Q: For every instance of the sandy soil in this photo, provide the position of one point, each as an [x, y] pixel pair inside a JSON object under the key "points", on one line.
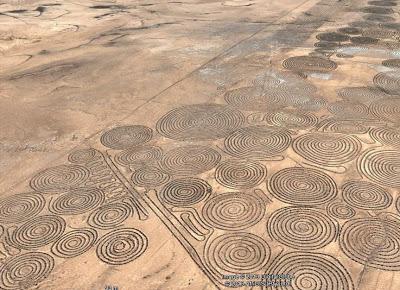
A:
{"points": [[176, 144]]}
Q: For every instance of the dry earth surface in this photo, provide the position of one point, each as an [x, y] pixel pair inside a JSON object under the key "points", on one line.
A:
{"points": [[168, 145]]}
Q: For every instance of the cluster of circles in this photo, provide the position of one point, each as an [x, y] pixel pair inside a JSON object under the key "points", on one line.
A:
{"points": [[302, 186], [124, 137], [382, 3], [364, 95], [263, 99], [236, 253], [77, 201], [271, 78], [340, 210], [20, 207], [254, 98], [386, 135], [366, 195], [381, 166], [346, 109], [183, 192], [309, 64], [121, 246], [398, 204], [257, 142], [386, 109], [292, 119], [378, 10], [388, 81], [37, 232], [372, 241], [333, 125], [200, 122], [189, 160], [332, 37], [301, 228], [25, 270], [84, 156], [311, 271], [60, 178], [392, 63], [149, 177], [74, 243], [139, 156], [234, 210], [110, 215], [239, 174], [327, 149], [379, 32]]}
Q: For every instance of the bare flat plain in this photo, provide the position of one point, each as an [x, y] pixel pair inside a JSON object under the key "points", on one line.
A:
{"points": [[200, 144]]}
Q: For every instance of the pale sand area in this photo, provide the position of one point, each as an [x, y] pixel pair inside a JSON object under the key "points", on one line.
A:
{"points": [[149, 145]]}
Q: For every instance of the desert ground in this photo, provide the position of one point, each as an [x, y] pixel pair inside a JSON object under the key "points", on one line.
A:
{"points": [[200, 144]]}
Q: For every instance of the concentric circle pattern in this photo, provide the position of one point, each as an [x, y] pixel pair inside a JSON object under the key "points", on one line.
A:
{"points": [[350, 110], [20, 207], [377, 10], [255, 98], [149, 177], [60, 178], [240, 174], [302, 186], [38, 232], [334, 125], [373, 242], [190, 160], [364, 40], [292, 119], [74, 243], [237, 253], [309, 63], [366, 195], [124, 137], [234, 211], [327, 149], [184, 192], [388, 136], [388, 81], [200, 122], [386, 109], [121, 246], [350, 30], [364, 95], [332, 36], [311, 271], [381, 33], [257, 142], [84, 156], [301, 228], [289, 97], [326, 44], [284, 80], [313, 104], [139, 156], [110, 215], [340, 210], [381, 166], [25, 271], [392, 63], [382, 3], [77, 201], [379, 18], [398, 204]]}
